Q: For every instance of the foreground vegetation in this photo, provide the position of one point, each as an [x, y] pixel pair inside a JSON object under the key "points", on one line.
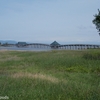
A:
{"points": [[52, 75]]}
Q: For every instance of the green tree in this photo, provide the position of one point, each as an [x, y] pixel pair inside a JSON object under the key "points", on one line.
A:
{"points": [[96, 21]]}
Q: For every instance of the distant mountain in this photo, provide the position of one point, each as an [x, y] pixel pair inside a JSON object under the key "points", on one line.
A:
{"points": [[8, 41]]}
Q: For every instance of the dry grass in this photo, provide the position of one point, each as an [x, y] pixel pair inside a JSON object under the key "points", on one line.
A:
{"points": [[36, 76], [5, 56], [3, 50], [9, 58]]}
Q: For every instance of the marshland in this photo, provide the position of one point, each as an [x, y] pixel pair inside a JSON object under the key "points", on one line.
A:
{"points": [[50, 75]]}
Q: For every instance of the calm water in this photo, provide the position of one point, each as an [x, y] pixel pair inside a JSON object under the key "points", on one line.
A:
{"points": [[25, 48]]}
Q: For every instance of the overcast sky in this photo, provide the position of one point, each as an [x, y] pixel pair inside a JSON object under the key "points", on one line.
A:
{"points": [[44, 21]]}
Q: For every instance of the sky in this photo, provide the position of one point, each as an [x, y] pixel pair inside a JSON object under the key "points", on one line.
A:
{"points": [[45, 21]]}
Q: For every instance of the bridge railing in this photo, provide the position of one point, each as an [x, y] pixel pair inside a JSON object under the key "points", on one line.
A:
{"points": [[67, 46]]}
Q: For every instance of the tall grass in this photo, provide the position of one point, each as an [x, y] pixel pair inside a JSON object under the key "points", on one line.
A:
{"points": [[92, 55], [52, 75]]}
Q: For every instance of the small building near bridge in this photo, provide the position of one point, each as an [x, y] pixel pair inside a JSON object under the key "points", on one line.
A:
{"points": [[21, 44], [54, 45]]}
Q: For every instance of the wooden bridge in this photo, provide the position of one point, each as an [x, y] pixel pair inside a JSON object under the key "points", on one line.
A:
{"points": [[38, 45], [49, 46], [78, 46], [66, 46], [56, 45]]}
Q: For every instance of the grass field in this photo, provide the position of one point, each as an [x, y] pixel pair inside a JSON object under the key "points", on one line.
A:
{"points": [[52, 75]]}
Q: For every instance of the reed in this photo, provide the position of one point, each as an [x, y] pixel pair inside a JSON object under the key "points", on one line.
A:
{"points": [[52, 75]]}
